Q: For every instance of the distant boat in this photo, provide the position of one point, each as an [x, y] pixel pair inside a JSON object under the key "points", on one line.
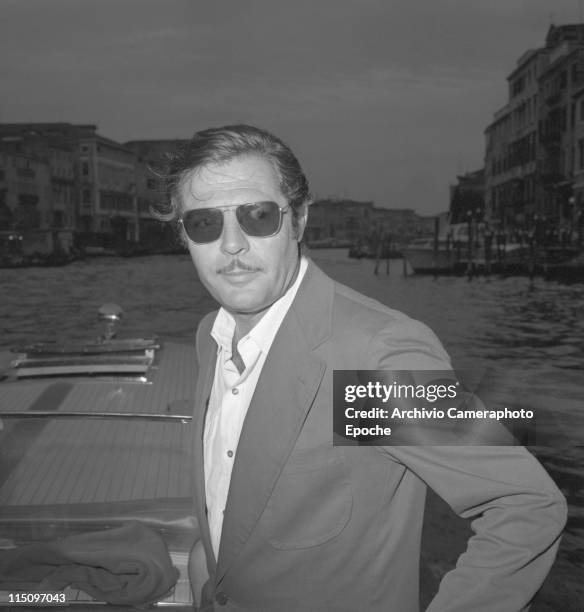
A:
{"points": [[437, 254], [329, 243], [450, 251]]}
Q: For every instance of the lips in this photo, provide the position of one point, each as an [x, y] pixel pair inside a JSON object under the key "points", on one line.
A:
{"points": [[238, 273]]}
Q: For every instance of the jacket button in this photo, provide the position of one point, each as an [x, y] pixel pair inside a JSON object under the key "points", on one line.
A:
{"points": [[221, 598]]}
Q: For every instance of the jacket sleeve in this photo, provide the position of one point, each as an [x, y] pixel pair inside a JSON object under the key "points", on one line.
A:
{"points": [[517, 512], [517, 517]]}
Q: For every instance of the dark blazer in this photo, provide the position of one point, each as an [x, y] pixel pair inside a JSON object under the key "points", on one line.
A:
{"points": [[312, 526]]}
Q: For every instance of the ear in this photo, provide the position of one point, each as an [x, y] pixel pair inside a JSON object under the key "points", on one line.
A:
{"points": [[302, 220]]}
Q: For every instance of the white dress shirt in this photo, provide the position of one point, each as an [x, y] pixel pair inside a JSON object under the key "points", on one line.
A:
{"points": [[230, 398]]}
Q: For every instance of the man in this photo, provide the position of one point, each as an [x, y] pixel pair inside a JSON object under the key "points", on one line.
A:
{"points": [[288, 520]]}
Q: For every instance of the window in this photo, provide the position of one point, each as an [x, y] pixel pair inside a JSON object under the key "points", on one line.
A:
{"points": [[85, 169], [25, 172], [518, 86], [151, 183], [86, 196], [58, 218]]}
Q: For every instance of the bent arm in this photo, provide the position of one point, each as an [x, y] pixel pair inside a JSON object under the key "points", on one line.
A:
{"points": [[517, 511], [518, 515]]}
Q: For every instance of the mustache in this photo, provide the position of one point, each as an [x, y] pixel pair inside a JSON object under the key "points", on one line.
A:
{"points": [[237, 265]]}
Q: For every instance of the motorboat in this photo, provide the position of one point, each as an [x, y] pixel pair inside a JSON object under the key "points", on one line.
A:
{"points": [[455, 249], [94, 437], [440, 253]]}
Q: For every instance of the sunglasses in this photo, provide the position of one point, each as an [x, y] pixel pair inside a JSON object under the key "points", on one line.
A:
{"points": [[257, 219]]}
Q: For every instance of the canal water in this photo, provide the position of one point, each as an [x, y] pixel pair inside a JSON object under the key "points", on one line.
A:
{"points": [[530, 334]]}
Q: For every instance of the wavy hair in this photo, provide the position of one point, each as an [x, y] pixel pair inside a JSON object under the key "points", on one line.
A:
{"points": [[222, 144]]}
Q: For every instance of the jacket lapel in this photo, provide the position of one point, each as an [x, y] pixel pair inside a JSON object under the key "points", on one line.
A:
{"points": [[207, 354], [286, 388]]}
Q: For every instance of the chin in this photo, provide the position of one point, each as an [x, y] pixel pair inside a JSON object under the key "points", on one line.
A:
{"points": [[244, 307], [243, 299]]}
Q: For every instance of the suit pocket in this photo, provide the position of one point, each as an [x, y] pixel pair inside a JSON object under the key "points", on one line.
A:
{"points": [[311, 503]]}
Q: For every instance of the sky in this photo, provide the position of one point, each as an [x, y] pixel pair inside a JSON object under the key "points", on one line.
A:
{"points": [[381, 100]]}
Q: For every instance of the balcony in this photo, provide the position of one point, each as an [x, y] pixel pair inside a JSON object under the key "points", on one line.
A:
{"points": [[551, 137], [554, 98], [25, 172], [551, 179]]}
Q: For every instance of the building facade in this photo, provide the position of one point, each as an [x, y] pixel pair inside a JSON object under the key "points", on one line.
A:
{"points": [[559, 83], [25, 191], [534, 157], [512, 182], [93, 183], [467, 197], [362, 223], [151, 159], [338, 221], [577, 198], [108, 203]]}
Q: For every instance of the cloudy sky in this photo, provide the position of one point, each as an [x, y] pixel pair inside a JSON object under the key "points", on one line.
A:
{"points": [[382, 100]]}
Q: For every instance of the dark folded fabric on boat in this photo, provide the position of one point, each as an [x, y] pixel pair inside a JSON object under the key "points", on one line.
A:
{"points": [[127, 565]]}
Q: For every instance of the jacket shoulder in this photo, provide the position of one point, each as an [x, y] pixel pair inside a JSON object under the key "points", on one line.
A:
{"points": [[394, 339], [204, 330]]}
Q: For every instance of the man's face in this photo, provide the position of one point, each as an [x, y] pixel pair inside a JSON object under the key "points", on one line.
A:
{"points": [[245, 274]]}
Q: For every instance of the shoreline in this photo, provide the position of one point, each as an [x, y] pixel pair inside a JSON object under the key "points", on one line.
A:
{"points": [[568, 272]]}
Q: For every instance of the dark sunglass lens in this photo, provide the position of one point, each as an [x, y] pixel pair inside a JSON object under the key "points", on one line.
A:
{"points": [[203, 225], [259, 219]]}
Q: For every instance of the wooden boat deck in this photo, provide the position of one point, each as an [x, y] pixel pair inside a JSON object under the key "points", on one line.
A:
{"points": [[63, 475]]}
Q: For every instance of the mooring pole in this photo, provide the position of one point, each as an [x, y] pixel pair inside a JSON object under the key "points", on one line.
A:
{"points": [[436, 233]]}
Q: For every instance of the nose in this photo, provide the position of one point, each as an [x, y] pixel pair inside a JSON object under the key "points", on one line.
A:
{"points": [[233, 238]]}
